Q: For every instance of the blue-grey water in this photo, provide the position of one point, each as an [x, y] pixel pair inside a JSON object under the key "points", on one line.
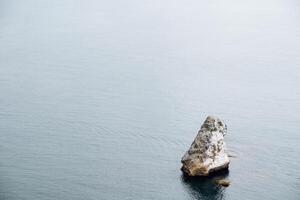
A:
{"points": [[100, 99]]}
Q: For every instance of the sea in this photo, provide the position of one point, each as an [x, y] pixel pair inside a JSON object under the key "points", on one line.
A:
{"points": [[99, 100]]}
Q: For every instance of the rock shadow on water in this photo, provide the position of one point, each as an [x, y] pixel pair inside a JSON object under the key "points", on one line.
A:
{"points": [[205, 188]]}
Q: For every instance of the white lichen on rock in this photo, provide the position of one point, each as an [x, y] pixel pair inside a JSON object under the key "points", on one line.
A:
{"points": [[208, 152]]}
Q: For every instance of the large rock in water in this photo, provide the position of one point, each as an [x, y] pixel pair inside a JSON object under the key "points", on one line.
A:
{"points": [[208, 152]]}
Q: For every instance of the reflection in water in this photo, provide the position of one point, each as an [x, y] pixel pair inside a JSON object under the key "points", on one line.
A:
{"points": [[201, 188]]}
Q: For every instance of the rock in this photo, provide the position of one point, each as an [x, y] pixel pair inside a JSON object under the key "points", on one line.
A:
{"points": [[223, 182], [208, 152]]}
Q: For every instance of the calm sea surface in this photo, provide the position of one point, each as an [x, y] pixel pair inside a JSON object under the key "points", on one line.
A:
{"points": [[100, 99]]}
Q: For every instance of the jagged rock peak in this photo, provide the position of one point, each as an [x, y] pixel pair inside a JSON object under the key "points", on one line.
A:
{"points": [[208, 152]]}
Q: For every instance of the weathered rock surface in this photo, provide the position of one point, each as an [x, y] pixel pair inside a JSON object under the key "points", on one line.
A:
{"points": [[208, 152], [223, 182]]}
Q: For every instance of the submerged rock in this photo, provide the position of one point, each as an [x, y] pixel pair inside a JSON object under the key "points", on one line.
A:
{"points": [[208, 152], [223, 182]]}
